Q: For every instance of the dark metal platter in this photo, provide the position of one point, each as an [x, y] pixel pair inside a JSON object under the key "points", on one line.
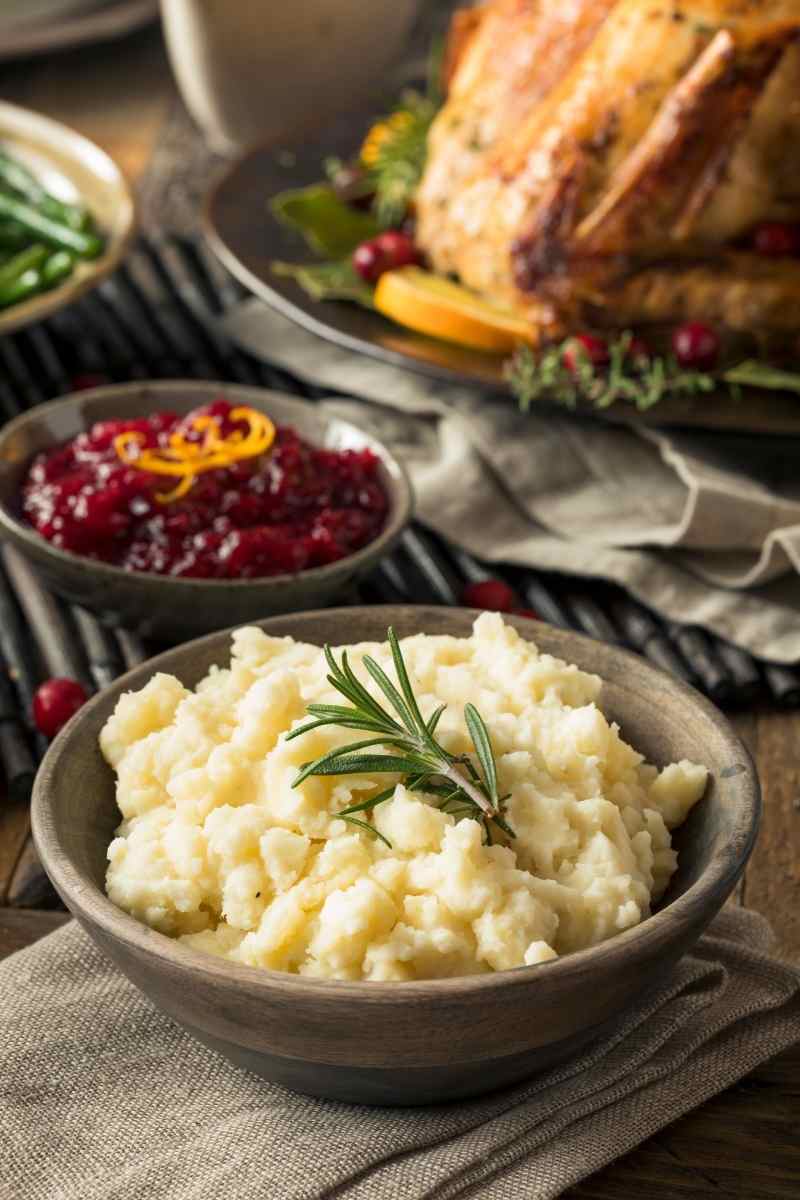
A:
{"points": [[246, 237]]}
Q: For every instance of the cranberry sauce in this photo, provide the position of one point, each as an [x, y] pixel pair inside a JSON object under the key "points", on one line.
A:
{"points": [[294, 507]]}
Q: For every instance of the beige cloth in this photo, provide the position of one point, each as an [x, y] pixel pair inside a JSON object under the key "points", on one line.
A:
{"points": [[703, 528], [102, 1098]]}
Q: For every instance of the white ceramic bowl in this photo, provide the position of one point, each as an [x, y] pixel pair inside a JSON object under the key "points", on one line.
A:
{"points": [[251, 72]]}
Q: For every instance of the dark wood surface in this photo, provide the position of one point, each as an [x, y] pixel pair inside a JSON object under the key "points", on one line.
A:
{"points": [[742, 1144]]}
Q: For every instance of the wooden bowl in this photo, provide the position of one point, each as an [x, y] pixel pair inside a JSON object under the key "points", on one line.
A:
{"points": [[160, 606], [409, 1043]]}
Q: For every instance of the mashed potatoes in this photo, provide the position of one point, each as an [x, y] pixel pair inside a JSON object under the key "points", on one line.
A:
{"points": [[217, 848]]}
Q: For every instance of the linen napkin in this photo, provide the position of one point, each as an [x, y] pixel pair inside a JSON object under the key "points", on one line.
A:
{"points": [[702, 527], [102, 1098]]}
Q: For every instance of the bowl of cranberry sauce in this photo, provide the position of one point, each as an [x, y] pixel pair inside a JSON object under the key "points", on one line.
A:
{"points": [[182, 507]]}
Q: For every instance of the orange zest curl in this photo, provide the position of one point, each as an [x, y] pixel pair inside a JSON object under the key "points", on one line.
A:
{"points": [[186, 459]]}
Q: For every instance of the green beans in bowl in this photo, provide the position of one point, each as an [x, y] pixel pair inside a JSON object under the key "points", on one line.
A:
{"points": [[66, 216]]}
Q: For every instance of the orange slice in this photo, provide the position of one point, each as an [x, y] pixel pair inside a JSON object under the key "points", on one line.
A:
{"points": [[432, 305]]}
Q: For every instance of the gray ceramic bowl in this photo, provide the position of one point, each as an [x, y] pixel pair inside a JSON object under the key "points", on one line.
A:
{"points": [[419, 1042], [159, 606]]}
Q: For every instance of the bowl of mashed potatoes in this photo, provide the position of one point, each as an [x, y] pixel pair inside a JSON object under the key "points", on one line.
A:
{"points": [[413, 955]]}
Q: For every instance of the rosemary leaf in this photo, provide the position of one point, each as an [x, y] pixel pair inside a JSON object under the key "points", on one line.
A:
{"points": [[483, 748], [319, 765], [344, 723], [434, 719], [413, 753], [363, 764], [364, 825], [408, 695], [368, 805], [384, 682]]}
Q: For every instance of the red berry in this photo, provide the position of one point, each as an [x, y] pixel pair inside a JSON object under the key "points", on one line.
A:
{"points": [[776, 239], [530, 613], [54, 702], [385, 252], [696, 346], [585, 347], [490, 594]]}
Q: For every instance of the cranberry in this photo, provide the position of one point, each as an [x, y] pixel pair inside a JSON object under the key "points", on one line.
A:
{"points": [[583, 348], [296, 507], [54, 702], [696, 346], [491, 594], [530, 613], [385, 252], [776, 239]]}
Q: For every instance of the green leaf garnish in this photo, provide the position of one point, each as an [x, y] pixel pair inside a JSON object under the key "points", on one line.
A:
{"points": [[329, 226], [422, 763], [752, 373], [366, 826], [328, 281], [483, 748]]}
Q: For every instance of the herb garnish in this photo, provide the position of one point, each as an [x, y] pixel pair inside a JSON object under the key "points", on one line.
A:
{"points": [[395, 149], [638, 379], [394, 154], [425, 765], [329, 281], [329, 226]]}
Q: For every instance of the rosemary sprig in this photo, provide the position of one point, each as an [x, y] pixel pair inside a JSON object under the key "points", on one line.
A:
{"points": [[411, 749], [394, 153], [396, 147], [639, 379]]}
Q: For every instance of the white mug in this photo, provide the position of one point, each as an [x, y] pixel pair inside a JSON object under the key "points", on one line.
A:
{"points": [[253, 70]]}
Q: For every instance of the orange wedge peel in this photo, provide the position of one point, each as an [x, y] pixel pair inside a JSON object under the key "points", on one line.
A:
{"points": [[185, 459], [435, 306]]}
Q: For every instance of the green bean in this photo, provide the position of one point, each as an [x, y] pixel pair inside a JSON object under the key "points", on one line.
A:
{"points": [[57, 268], [17, 177], [22, 288], [13, 236], [30, 259], [62, 237]]}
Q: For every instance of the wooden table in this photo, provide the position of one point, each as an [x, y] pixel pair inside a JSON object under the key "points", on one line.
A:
{"points": [[742, 1144]]}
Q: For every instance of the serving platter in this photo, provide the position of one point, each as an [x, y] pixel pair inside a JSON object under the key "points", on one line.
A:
{"points": [[71, 168], [245, 236]]}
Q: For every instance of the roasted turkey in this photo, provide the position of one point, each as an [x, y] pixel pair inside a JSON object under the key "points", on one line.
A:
{"points": [[606, 161]]}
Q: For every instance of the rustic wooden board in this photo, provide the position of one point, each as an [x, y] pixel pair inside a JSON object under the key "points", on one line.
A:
{"points": [[22, 927], [772, 882], [15, 826]]}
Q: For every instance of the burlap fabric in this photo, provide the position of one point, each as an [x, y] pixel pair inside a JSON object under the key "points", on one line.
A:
{"points": [[102, 1098]]}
